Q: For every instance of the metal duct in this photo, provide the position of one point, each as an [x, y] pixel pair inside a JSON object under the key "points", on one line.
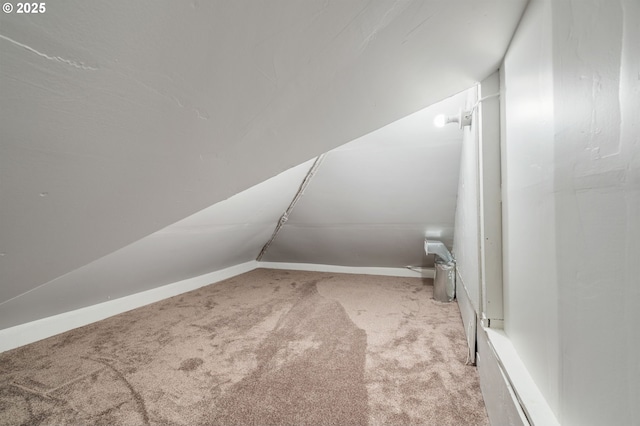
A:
{"points": [[444, 284], [439, 249]]}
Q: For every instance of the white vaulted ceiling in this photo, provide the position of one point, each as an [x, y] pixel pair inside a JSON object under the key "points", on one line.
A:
{"points": [[121, 118]]}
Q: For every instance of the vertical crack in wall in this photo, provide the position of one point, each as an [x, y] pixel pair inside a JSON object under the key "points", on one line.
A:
{"points": [[285, 216]]}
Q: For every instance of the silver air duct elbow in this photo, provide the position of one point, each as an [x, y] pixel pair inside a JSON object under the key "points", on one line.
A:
{"points": [[439, 249]]}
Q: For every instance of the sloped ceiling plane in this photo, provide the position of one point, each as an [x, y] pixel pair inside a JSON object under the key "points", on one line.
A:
{"points": [[121, 120]]}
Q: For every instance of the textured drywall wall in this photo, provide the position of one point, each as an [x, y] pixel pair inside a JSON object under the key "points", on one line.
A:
{"points": [[466, 244], [529, 226], [373, 201], [572, 202], [120, 118], [228, 233], [477, 223], [597, 195], [490, 192]]}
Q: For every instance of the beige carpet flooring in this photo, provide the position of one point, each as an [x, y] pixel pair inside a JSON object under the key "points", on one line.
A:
{"points": [[263, 348]]}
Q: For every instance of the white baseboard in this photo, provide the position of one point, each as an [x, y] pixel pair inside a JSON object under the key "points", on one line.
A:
{"points": [[391, 272], [529, 397], [503, 407], [30, 332], [469, 317], [23, 334]]}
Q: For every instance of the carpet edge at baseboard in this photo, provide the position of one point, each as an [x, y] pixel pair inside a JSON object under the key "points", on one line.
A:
{"points": [[364, 270], [23, 334]]}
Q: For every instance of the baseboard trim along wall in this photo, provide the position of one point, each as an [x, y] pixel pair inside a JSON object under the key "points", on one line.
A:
{"points": [[24, 334], [421, 272], [526, 392], [469, 317], [503, 407]]}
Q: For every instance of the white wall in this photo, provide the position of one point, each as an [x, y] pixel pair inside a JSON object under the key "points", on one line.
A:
{"points": [[121, 118], [370, 203], [490, 200], [226, 234], [373, 200], [466, 244], [477, 228], [571, 206], [597, 190], [530, 282]]}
